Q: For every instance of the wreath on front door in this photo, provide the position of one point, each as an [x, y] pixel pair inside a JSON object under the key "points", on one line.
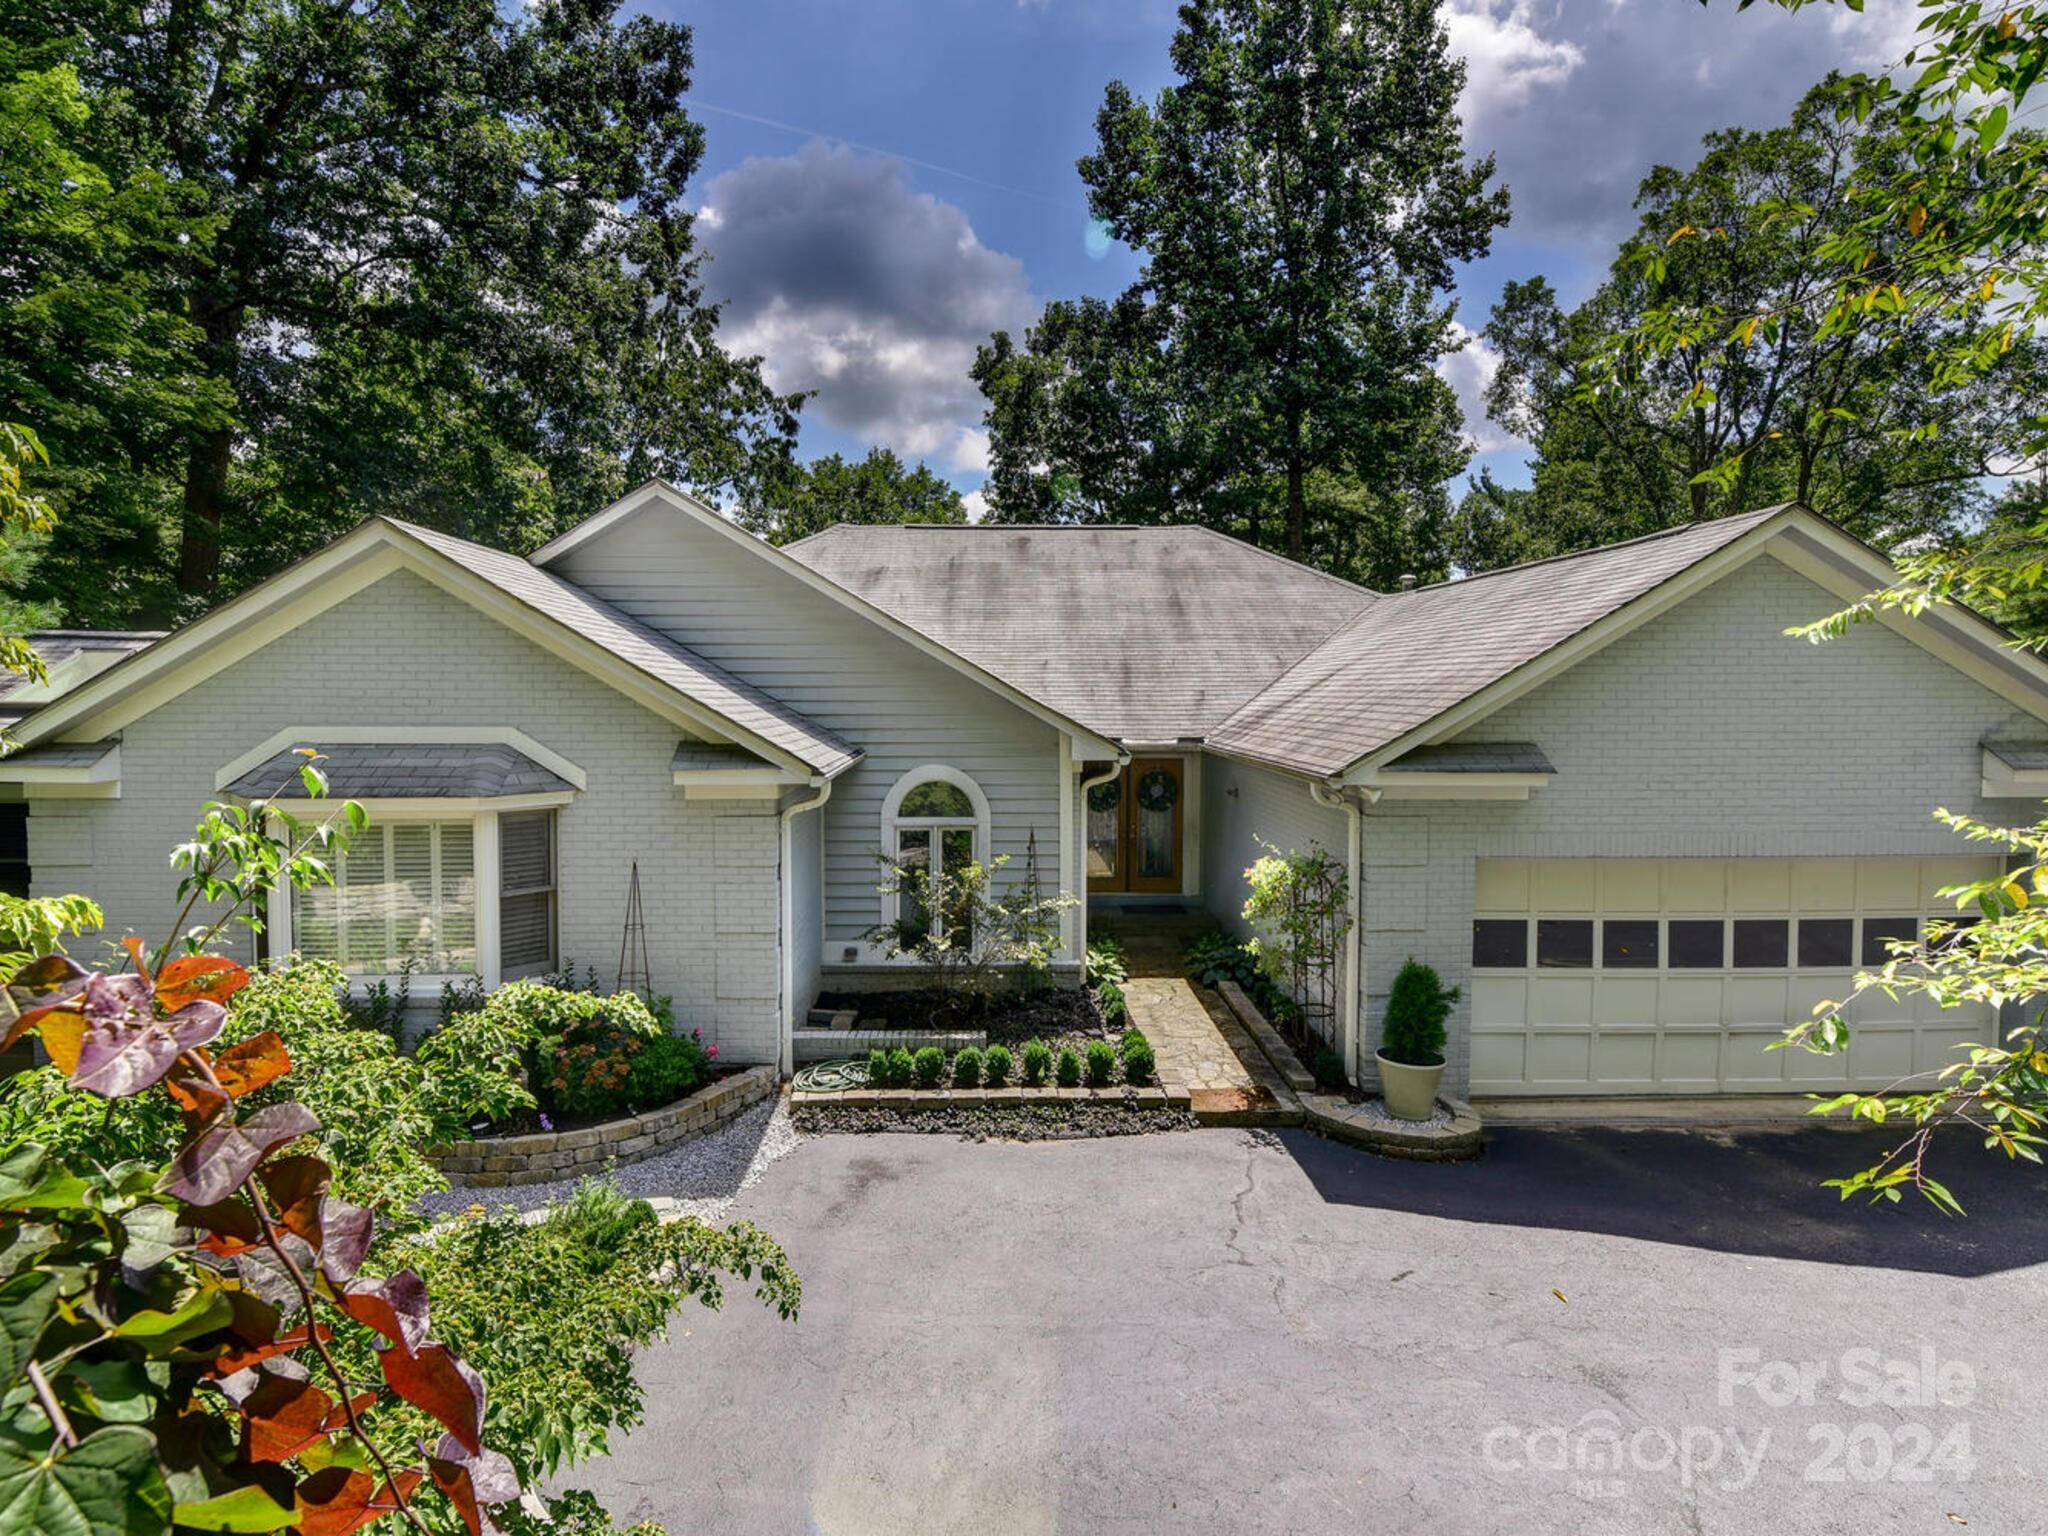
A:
{"points": [[1102, 798], [1158, 790]]}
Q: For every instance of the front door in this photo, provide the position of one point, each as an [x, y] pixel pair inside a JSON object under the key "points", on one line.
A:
{"points": [[1134, 828]]}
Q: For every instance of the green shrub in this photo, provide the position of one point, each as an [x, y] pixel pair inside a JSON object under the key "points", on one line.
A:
{"points": [[930, 1063], [1215, 957], [581, 1048], [1106, 963], [967, 1069], [1329, 1069], [878, 1068], [1037, 1063], [1412, 1032], [1101, 1063], [1131, 1037], [1114, 1009], [1068, 1068], [998, 1065], [668, 1067], [1138, 1061], [902, 1068]]}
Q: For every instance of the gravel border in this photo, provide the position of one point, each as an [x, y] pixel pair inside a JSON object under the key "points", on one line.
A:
{"points": [[1018, 1122], [701, 1177]]}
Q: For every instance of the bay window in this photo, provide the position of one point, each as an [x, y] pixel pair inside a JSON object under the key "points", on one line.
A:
{"points": [[405, 891]]}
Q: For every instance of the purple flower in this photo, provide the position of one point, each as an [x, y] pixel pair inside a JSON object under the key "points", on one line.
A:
{"points": [[545, 1123]]}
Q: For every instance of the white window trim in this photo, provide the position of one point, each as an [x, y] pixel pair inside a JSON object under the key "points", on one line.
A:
{"points": [[893, 821], [484, 851]]}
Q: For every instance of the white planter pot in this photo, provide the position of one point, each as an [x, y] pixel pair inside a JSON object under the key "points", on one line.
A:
{"points": [[1410, 1092]]}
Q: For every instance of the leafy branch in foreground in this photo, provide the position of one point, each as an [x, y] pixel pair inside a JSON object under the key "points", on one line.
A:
{"points": [[1997, 960]]}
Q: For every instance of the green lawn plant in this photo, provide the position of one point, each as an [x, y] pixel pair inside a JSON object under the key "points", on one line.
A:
{"points": [[1101, 1063], [1067, 1068], [1418, 1003], [997, 1066], [1037, 1063], [967, 1068]]}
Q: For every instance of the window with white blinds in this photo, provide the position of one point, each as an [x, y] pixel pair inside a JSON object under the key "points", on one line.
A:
{"points": [[404, 890], [526, 892]]}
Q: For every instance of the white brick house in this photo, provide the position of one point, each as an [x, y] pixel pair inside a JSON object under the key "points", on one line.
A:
{"points": [[1604, 795]]}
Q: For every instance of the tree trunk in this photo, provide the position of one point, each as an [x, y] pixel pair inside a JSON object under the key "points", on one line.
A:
{"points": [[206, 487], [206, 471], [1297, 494]]}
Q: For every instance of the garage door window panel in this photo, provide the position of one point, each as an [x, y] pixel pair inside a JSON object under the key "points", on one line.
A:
{"points": [[1762, 943], [1827, 943], [1500, 943], [1564, 943], [1698, 944], [1628, 944], [1880, 933]]}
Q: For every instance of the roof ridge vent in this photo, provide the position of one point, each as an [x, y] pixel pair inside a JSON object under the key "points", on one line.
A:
{"points": [[1408, 580]]}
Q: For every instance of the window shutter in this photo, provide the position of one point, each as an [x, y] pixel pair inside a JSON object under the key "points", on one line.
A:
{"points": [[526, 887]]}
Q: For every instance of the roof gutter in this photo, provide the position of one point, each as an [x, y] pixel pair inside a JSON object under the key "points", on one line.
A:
{"points": [[1123, 761]]}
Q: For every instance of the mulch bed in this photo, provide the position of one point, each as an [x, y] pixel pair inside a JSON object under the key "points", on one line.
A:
{"points": [[1053, 1013], [1022, 1122]]}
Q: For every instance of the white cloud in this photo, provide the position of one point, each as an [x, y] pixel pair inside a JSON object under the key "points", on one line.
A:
{"points": [[977, 506], [846, 282], [1468, 371], [1506, 56]]}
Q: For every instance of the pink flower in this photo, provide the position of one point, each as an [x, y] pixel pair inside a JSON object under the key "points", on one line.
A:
{"points": [[711, 1053]]}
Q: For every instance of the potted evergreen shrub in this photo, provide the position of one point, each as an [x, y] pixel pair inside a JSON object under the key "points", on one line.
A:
{"points": [[1411, 1053]]}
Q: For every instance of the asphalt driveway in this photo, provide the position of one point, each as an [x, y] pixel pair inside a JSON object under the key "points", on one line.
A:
{"points": [[1587, 1332]]}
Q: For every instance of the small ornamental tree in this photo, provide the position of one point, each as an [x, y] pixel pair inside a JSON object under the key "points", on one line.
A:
{"points": [[1300, 911], [173, 1336], [1997, 1088], [961, 925], [1418, 1003]]}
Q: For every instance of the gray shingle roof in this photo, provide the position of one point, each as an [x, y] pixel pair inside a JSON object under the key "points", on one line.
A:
{"points": [[698, 756], [58, 646], [2026, 756], [1473, 757], [666, 660], [408, 770], [1408, 657], [1147, 634], [58, 754]]}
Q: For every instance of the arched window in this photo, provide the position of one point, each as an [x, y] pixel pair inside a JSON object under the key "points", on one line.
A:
{"points": [[932, 811]]}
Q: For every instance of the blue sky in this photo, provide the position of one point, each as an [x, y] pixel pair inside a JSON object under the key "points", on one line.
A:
{"points": [[887, 181]]}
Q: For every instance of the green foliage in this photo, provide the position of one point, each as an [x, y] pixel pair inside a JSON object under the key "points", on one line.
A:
{"points": [[1418, 1003], [902, 1068], [878, 490], [575, 1513], [667, 1067], [1038, 1063], [1300, 201], [237, 350], [967, 1068], [584, 1066], [878, 1068], [930, 1063], [554, 1312], [1840, 419], [1300, 911], [1216, 957], [1115, 1007], [964, 923], [1101, 1063], [38, 925], [1106, 962], [1140, 1065], [82, 1128], [1329, 1070], [1066, 1067], [998, 1065], [1994, 955]]}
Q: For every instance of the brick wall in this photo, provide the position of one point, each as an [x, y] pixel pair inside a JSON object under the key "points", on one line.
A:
{"points": [[1705, 733], [406, 654]]}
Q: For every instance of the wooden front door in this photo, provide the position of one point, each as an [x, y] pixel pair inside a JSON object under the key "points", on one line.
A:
{"points": [[1134, 828]]}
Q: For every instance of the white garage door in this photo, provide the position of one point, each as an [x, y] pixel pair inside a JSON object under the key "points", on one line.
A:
{"points": [[1672, 975]]}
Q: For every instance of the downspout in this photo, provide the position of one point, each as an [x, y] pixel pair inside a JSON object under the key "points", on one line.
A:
{"points": [[1335, 797], [786, 1042], [1123, 761]]}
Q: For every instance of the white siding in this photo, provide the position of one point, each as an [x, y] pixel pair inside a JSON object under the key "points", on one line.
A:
{"points": [[806, 876], [903, 707], [1706, 733], [406, 654]]}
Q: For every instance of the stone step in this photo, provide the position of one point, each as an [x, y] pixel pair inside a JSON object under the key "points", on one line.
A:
{"points": [[1271, 1045]]}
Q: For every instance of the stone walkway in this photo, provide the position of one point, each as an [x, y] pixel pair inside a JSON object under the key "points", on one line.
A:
{"points": [[1200, 1046]]}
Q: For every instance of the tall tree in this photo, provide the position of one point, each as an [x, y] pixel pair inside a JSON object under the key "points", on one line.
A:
{"points": [[1839, 419], [1300, 197], [878, 489], [441, 262]]}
